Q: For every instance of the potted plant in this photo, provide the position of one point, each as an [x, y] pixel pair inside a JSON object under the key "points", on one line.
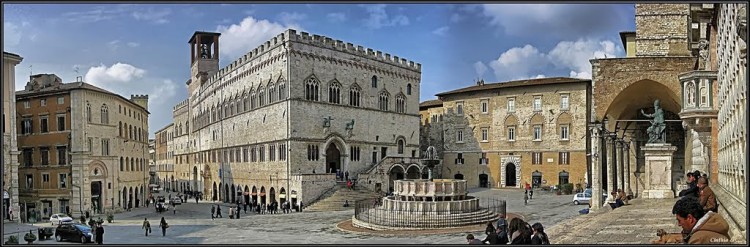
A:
{"points": [[110, 218], [567, 188], [12, 240], [29, 237]]}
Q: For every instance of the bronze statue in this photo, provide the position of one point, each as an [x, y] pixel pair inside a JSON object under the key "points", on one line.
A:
{"points": [[656, 130]]}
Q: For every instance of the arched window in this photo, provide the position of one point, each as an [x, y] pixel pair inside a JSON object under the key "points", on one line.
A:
{"points": [[120, 124], [271, 93], [704, 93], [253, 100], [400, 146], [354, 95], [408, 89], [311, 89], [334, 93], [245, 102], [121, 165], [261, 97], [105, 114], [374, 81], [187, 127], [88, 111], [225, 113], [282, 89], [690, 93], [400, 103], [213, 114], [383, 101], [231, 109]]}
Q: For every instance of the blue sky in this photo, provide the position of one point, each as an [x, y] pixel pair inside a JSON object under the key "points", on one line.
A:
{"points": [[142, 48]]}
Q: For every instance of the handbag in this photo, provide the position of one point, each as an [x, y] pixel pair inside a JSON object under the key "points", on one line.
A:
{"points": [[166, 225]]}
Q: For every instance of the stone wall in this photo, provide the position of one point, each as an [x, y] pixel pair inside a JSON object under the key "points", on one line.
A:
{"points": [[661, 29]]}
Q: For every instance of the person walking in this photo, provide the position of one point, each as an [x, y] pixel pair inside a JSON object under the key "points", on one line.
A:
{"points": [[163, 225], [346, 175], [213, 212], [531, 193], [526, 197], [237, 213], [539, 237], [99, 233], [218, 211], [146, 226]]}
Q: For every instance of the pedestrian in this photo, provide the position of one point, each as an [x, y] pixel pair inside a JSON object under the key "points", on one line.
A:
{"points": [[237, 213], [531, 193], [163, 225], [526, 197], [231, 212], [698, 226], [346, 175], [130, 205], [471, 240], [10, 213], [99, 233], [146, 226], [539, 237], [218, 211], [196, 200], [213, 211], [707, 197], [174, 210]]}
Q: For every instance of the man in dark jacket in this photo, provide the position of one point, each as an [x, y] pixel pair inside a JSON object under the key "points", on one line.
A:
{"points": [[692, 189], [99, 233]]}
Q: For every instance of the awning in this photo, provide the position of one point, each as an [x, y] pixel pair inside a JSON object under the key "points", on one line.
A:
{"points": [[294, 196], [153, 185], [282, 196]]}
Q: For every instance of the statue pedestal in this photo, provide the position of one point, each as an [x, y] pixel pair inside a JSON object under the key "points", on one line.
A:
{"points": [[658, 172]]}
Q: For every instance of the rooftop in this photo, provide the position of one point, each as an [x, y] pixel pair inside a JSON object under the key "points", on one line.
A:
{"points": [[511, 84], [72, 86]]}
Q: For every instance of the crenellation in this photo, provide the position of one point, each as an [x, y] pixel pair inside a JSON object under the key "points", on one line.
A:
{"points": [[350, 47], [360, 49], [379, 54]]}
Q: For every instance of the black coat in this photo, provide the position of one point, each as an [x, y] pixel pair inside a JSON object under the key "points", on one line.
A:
{"points": [[524, 238], [692, 190], [99, 234], [537, 239]]}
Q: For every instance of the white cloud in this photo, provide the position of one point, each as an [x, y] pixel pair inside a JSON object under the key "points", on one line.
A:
{"points": [[566, 21], [238, 39], [119, 73], [378, 17], [441, 31], [336, 17], [114, 45], [11, 34], [155, 16], [291, 18], [162, 92], [133, 44], [527, 61], [480, 68]]}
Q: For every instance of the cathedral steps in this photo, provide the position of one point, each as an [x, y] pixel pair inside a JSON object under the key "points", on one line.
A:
{"points": [[335, 201]]}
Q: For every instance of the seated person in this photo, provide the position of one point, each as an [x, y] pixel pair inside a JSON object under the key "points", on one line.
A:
{"points": [[611, 201], [621, 198]]}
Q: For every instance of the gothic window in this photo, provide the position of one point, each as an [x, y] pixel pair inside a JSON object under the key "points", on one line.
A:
{"points": [[311, 89], [374, 81], [282, 90], [88, 111], [400, 146], [253, 100], [120, 124], [271, 93], [231, 109], [408, 89], [245, 102], [400, 103], [105, 114], [334, 93], [213, 114], [383, 101], [354, 95], [261, 97]]}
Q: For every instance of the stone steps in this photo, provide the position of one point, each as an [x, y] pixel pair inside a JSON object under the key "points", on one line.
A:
{"points": [[335, 202], [419, 221]]}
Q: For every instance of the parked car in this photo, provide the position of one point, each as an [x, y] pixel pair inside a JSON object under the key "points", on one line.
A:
{"points": [[581, 198], [176, 200], [588, 191], [60, 218], [74, 231]]}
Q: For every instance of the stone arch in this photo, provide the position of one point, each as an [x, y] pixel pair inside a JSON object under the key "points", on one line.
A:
{"points": [[337, 140], [510, 171], [537, 118], [254, 194], [413, 172], [246, 195], [564, 118], [510, 120], [271, 195], [262, 195], [97, 166], [400, 144], [635, 95], [214, 193]]}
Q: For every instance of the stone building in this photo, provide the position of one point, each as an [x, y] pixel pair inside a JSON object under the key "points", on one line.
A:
{"points": [[10, 150], [508, 134], [164, 158], [277, 123], [82, 148]]}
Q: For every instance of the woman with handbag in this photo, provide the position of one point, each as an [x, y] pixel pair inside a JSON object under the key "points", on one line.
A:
{"points": [[163, 224]]}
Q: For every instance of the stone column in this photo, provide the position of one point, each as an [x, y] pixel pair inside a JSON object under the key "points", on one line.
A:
{"points": [[620, 165], [626, 155], [596, 166], [610, 160]]}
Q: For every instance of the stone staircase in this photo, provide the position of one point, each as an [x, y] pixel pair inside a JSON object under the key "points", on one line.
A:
{"points": [[335, 199]]}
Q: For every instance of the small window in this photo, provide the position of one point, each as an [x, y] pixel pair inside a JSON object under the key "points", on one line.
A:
{"points": [[564, 158], [536, 158], [485, 134], [459, 159], [564, 101], [408, 89], [45, 178], [564, 131], [460, 108], [484, 106], [374, 81], [511, 133], [60, 122], [63, 180], [537, 103], [511, 104], [26, 104], [459, 136], [43, 102], [60, 100], [537, 132]]}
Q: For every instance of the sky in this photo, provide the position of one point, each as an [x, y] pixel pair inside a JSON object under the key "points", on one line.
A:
{"points": [[142, 48]]}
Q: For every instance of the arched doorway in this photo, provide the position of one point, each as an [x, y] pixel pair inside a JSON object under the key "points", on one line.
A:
{"points": [[282, 195], [484, 181], [262, 195], [214, 195], [536, 179], [239, 193], [510, 175], [333, 158], [221, 193], [412, 172], [254, 194], [130, 197], [564, 178], [233, 194], [458, 176], [124, 202], [396, 173], [247, 195], [272, 195]]}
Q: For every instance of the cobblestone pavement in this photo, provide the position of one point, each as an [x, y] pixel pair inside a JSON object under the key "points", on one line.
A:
{"points": [[636, 223], [192, 224]]}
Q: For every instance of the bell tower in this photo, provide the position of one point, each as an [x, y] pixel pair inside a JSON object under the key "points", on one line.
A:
{"points": [[204, 58]]}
